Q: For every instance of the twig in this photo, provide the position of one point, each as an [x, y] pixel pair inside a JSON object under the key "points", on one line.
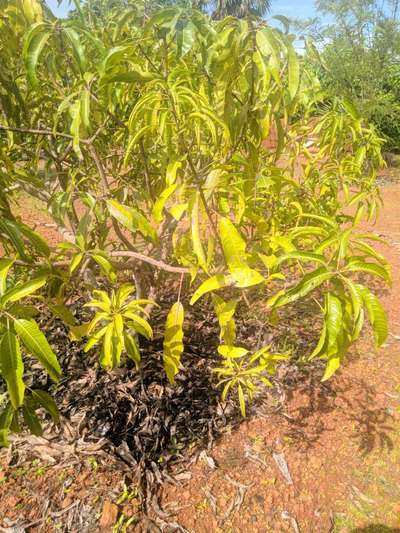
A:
{"points": [[41, 132], [159, 264]]}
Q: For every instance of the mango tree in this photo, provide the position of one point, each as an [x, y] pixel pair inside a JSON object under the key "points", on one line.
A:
{"points": [[145, 139]]}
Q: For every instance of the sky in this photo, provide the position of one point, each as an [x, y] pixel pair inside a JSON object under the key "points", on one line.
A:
{"points": [[288, 8]]}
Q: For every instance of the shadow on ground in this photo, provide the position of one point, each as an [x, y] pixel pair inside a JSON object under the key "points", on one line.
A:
{"points": [[351, 398], [376, 528]]}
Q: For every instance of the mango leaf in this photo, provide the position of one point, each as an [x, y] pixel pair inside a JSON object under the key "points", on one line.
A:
{"points": [[44, 399], [321, 343], [34, 43], [242, 402], [309, 282], [12, 368], [132, 349], [225, 312], [132, 219], [85, 109], [107, 355], [12, 231], [293, 72], [246, 277], [233, 245], [37, 241], [75, 262], [173, 337], [36, 343], [75, 112], [376, 314], [195, 231], [302, 256], [77, 48], [172, 170], [211, 284], [31, 420], [134, 75], [23, 290], [5, 265], [62, 311], [105, 266], [370, 268], [334, 318], [161, 201], [76, 333], [332, 365], [232, 352], [6, 418]]}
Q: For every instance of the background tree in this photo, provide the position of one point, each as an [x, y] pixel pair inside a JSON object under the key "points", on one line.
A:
{"points": [[240, 8], [359, 41]]}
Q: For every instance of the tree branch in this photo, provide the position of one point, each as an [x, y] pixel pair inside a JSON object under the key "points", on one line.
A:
{"points": [[41, 132], [145, 259]]}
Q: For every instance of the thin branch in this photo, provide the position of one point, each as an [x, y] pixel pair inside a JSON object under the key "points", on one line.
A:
{"points": [[41, 132], [145, 259]]}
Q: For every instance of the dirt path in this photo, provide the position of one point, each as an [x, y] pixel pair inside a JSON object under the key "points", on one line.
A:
{"points": [[340, 442]]}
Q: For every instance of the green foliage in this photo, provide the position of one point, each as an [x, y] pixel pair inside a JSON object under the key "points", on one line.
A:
{"points": [[16, 330], [360, 47], [116, 322], [145, 138]]}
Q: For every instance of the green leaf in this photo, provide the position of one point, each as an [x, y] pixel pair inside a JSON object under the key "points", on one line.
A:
{"points": [[107, 355], [44, 399], [76, 261], [132, 219], [334, 325], [161, 201], [172, 170], [173, 337], [37, 241], [246, 277], [105, 266], [32, 421], [134, 75], [133, 139], [321, 343], [77, 48], [140, 324], [6, 418], [376, 314], [225, 312], [12, 231], [85, 109], [370, 268], [62, 311], [195, 230], [76, 333], [293, 71], [332, 365], [302, 256], [211, 284], [75, 112], [232, 352], [233, 245], [12, 368], [5, 265], [242, 402], [132, 349], [34, 43], [23, 290], [309, 282], [36, 343]]}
